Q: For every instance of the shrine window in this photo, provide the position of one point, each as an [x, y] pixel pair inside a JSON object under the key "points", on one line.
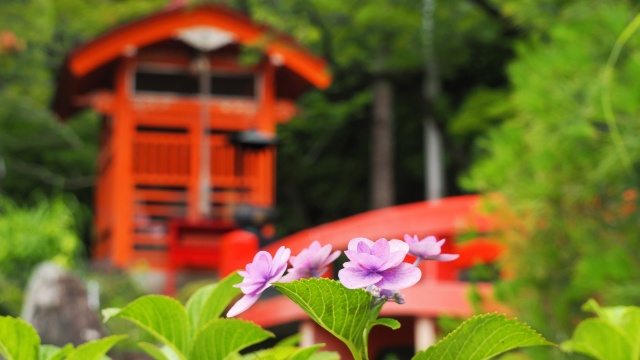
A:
{"points": [[227, 85], [233, 85], [181, 83]]}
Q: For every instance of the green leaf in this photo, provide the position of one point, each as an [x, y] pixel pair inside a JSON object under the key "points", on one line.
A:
{"points": [[285, 353], [292, 340], [209, 302], [388, 322], [483, 337], [345, 313], [163, 317], [51, 352], [325, 355], [276, 353], [613, 335], [222, 338], [625, 318], [306, 353], [164, 353], [600, 340], [18, 339], [95, 350]]}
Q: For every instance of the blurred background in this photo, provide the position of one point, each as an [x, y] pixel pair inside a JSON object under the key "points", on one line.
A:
{"points": [[518, 100]]}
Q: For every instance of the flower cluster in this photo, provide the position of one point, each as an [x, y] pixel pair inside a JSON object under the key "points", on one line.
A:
{"points": [[378, 267], [428, 248], [379, 264]]}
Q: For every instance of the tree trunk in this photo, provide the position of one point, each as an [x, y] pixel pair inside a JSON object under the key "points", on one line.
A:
{"points": [[433, 146], [382, 167]]}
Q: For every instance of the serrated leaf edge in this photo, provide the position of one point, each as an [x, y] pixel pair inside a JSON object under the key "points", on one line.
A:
{"points": [[511, 320], [210, 322], [347, 342], [147, 328]]}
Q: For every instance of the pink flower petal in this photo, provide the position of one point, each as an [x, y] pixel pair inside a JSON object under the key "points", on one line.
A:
{"points": [[447, 257], [410, 239], [400, 277], [369, 262], [279, 264], [397, 245], [381, 249], [331, 258], [394, 259], [356, 278], [295, 274], [243, 304], [353, 244]]}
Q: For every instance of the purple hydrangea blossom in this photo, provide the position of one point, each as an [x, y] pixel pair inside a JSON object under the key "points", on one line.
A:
{"points": [[258, 276], [380, 264], [386, 295], [428, 248], [311, 262]]}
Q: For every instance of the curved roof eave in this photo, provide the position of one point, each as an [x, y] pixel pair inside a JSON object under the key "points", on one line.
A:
{"points": [[167, 24], [442, 217]]}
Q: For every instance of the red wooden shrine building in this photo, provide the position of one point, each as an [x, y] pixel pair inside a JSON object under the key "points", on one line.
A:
{"points": [[187, 145], [187, 151]]}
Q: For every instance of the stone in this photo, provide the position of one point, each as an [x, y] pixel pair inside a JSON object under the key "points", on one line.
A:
{"points": [[58, 307]]}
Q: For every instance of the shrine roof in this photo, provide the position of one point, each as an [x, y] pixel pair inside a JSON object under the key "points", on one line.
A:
{"points": [[90, 65]]}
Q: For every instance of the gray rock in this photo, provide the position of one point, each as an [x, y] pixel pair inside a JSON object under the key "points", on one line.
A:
{"points": [[56, 305]]}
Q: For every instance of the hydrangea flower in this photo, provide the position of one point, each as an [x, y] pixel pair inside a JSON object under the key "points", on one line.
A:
{"points": [[258, 276], [311, 262], [386, 295], [379, 264], [428, 248]]}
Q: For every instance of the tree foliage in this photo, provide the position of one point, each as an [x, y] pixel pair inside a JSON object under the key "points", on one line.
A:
{"points": [[324, 153], [567, 201], [30, 235]]}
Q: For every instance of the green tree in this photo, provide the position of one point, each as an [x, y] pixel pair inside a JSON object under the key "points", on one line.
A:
{"points": [[45, 231], [326, 152], [567, 201]]}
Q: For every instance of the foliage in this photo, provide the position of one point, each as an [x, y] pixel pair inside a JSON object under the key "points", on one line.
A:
{"points": [[483, 337], [567, 204], [330, 157], [20, 341], [197, 331], [39, 151], [347, 314], [613, 334], [31, 235], [324, 152]]}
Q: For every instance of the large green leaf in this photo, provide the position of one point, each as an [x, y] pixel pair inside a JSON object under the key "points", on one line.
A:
{"points": [[18, 339], [600, 340], [163, 317], [345, 313], [615, 334], [291, 340], [483, 337], [223, 338], [209, 302], [286, 353], [624, 318], [95, 350], [51, 352], [159, 353]]}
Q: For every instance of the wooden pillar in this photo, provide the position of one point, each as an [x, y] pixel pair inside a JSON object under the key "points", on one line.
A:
{"points": [[307, 334], [267, 100], [121, 191], [193, 185], [425, 333]]}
